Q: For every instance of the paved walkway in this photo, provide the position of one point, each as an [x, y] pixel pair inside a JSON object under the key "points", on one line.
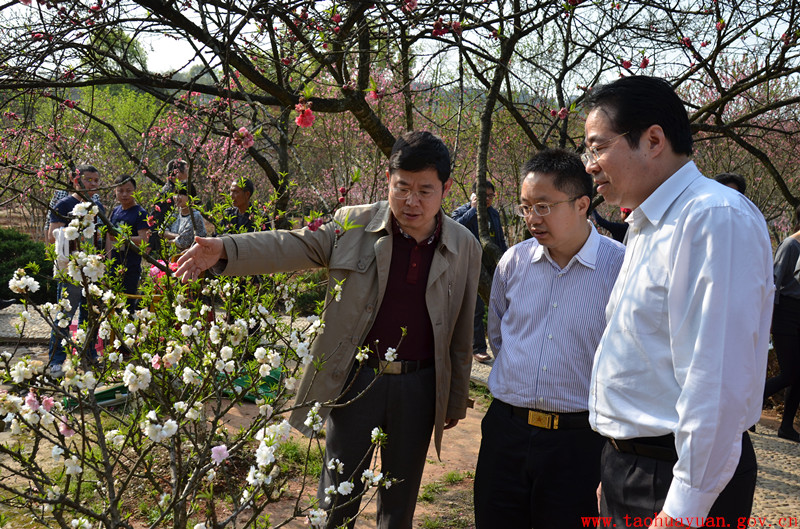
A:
{"points": [[777, 499]]}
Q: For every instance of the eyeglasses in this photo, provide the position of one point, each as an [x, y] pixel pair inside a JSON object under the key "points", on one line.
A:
{"points": [[592, 155], [404, 193], [542, 208]]}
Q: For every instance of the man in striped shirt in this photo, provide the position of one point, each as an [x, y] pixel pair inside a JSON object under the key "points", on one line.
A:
{"points": [[539, 460]]}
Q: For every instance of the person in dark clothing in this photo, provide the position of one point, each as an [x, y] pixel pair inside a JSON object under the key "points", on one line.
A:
{"points": [[732, 180], [87, 180], [129, 217], [467, 216], [239, 218], [616, 229], [786, 330]]}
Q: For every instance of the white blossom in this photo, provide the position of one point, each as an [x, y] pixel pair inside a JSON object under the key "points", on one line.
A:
{"points": [[73, 466], [391, 354], [182, 313], [136, 377]]}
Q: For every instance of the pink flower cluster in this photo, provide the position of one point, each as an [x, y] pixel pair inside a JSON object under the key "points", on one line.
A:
{"points": [[156, 273], [315, 224], [244, 138], [306, 116]]}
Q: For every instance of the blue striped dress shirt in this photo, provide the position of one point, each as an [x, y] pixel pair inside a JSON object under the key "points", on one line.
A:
{"points": [[545, 323]]}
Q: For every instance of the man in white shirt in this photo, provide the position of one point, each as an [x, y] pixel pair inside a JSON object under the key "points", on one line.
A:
{"points": [[539, 461], [679, 373]]}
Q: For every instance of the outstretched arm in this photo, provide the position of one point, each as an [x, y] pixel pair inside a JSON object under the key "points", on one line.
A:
{"points": [[200, 257]]}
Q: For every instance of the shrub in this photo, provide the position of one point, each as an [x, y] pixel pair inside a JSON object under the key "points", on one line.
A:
{"points": [[18, 249]]}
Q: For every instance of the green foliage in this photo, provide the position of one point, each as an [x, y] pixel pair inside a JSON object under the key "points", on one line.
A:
{"points": [[311, 293], [430, 491], [18, 250], [453, 477], [292, 457]]}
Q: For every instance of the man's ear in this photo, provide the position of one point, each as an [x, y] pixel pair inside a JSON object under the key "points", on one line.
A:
{"points": [[446, 187], [656, 140], [583, 204]]}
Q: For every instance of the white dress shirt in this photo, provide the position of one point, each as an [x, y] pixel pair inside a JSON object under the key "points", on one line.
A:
{"points": [[685, 350], [545, 322]]}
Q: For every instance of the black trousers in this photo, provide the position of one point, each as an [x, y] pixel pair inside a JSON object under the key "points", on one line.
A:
{"points": [[636, 487], [533, 477], [404, 407]]}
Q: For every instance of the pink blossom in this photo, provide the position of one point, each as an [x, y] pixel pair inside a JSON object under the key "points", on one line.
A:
{"points": [[563, 113], [720, 25], [48, 403], [626, 64], [341, 200], [409, 5], [305, 119], [686, 41], [644, 63], [219, 454], [25, 2], [64, 428], [31, 401], [336, 18], [244, 138], [343, 190], [156, 362], [554, 112], [315, 224]]}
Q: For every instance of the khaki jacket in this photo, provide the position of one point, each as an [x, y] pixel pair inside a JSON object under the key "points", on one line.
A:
{"points": [[361, 257]]}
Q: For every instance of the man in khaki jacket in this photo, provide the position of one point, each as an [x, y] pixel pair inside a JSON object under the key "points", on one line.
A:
{"points": [[401, 263]]}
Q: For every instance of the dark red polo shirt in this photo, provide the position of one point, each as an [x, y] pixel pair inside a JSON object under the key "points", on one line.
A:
{"points": [[403, 302]]}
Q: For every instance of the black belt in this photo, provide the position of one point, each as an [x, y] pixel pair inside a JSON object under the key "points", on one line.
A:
{"points": [[662, 447], [398, 367], [550, 420]]}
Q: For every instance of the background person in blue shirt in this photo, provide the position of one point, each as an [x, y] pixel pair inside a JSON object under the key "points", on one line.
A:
{"points": [[467, 216], [127, 217], [87, 180]]}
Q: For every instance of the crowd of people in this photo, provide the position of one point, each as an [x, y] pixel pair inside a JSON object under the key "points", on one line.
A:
{"points": [[132, 230], [627, 370]]}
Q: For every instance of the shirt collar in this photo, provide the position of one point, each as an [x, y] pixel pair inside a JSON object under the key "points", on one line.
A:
{"points": [[587, 255], [656, 205], [434, 238]]}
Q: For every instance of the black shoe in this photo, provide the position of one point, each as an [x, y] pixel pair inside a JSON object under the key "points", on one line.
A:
{"points": [[790, 434], [5, 303]]}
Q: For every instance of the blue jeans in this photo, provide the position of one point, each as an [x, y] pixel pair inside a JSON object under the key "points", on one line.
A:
{"points": [[77, 301]]}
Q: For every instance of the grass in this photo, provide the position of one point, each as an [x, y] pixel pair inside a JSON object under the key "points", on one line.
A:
{"points": [[430, 491], [292, 457], [480, 394]]}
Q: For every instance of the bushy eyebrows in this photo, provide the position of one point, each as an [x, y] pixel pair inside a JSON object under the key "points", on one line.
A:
{"points": [[401, 182]]}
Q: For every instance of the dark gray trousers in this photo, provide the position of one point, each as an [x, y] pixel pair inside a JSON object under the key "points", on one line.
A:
{"points": [[403, 406], [636, 486]]}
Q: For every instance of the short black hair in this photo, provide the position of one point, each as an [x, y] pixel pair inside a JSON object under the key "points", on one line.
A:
{"points": [[489, 185], [123, 178], [565, 167], [732, 178], [419, 150], [245, 184], [177, 163], [86, 168], [635, 103]]}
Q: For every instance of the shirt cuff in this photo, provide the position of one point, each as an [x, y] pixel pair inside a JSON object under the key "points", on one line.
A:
{"points": [[688, 505]]}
